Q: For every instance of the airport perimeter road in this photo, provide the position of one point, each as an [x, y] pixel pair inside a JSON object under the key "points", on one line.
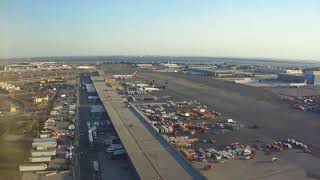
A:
{"points": [[150, 158]]}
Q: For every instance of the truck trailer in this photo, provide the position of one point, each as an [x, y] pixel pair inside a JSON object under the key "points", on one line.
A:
{"points": [[33, 167], [35, 153], [90, 138], [45, 142], [40, 159], [95, 166]]}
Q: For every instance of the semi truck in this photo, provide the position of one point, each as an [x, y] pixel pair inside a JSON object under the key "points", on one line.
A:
{"points": [[35, 153], [40, 159], [33, 167], [90, 137], [95, 166]]}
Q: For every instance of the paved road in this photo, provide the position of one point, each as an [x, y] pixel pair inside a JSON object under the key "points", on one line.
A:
{"points": [[109, 169]]}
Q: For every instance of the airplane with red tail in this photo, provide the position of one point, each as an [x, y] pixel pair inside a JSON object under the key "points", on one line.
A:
{"points": [[126, 76]]}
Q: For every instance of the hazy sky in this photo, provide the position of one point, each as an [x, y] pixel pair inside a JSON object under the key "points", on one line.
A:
{"points": [[240, 28]]}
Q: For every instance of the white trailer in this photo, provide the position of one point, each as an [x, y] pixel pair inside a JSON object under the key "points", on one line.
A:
{"points": [[95, 165], [42, 136], [45, 142], [36, 153], [41, 148], [90, 137], [40, 159], [45, 145], [33, 167]]}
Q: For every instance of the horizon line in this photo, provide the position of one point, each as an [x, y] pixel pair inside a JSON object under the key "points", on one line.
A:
{"points": [[176, 56]]}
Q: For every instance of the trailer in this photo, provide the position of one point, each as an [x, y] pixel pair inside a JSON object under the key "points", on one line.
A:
{"points": [[41, 148], [90, 138], [45, 145], [40, 159], [36, 153], [95, 166], [33, 167], [42, 136], [45, 142]]}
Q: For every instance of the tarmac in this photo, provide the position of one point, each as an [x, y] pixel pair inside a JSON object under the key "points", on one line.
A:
{"points": [[250, 106]]}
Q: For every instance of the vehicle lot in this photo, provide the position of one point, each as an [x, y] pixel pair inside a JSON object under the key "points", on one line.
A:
{"points": [[249, 106]]}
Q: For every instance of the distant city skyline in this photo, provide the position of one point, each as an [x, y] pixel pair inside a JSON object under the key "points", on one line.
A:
{"points": [[286, 29]]}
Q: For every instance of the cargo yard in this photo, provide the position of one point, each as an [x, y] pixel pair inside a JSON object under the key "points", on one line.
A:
{"points": [[220, 126]]}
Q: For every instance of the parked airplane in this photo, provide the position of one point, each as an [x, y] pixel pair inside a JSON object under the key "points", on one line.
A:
{"points": [[298, 84], [149, 89], [127, 76]]}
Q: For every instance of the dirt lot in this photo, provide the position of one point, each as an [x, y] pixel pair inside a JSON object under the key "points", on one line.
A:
{"points": [[15, 142]]}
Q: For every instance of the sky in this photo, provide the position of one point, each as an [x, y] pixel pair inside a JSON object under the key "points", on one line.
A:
{"points": [[283, 29]]}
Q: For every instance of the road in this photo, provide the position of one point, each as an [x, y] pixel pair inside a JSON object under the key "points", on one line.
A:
{"points": [[109, 169]]}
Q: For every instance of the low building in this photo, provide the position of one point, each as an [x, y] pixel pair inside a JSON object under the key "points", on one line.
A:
{"points": [[205, 69], [291, 78], [170, 65], [294, 71], [312, 77], [276, 70], [145, 65], [270, 70]]}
